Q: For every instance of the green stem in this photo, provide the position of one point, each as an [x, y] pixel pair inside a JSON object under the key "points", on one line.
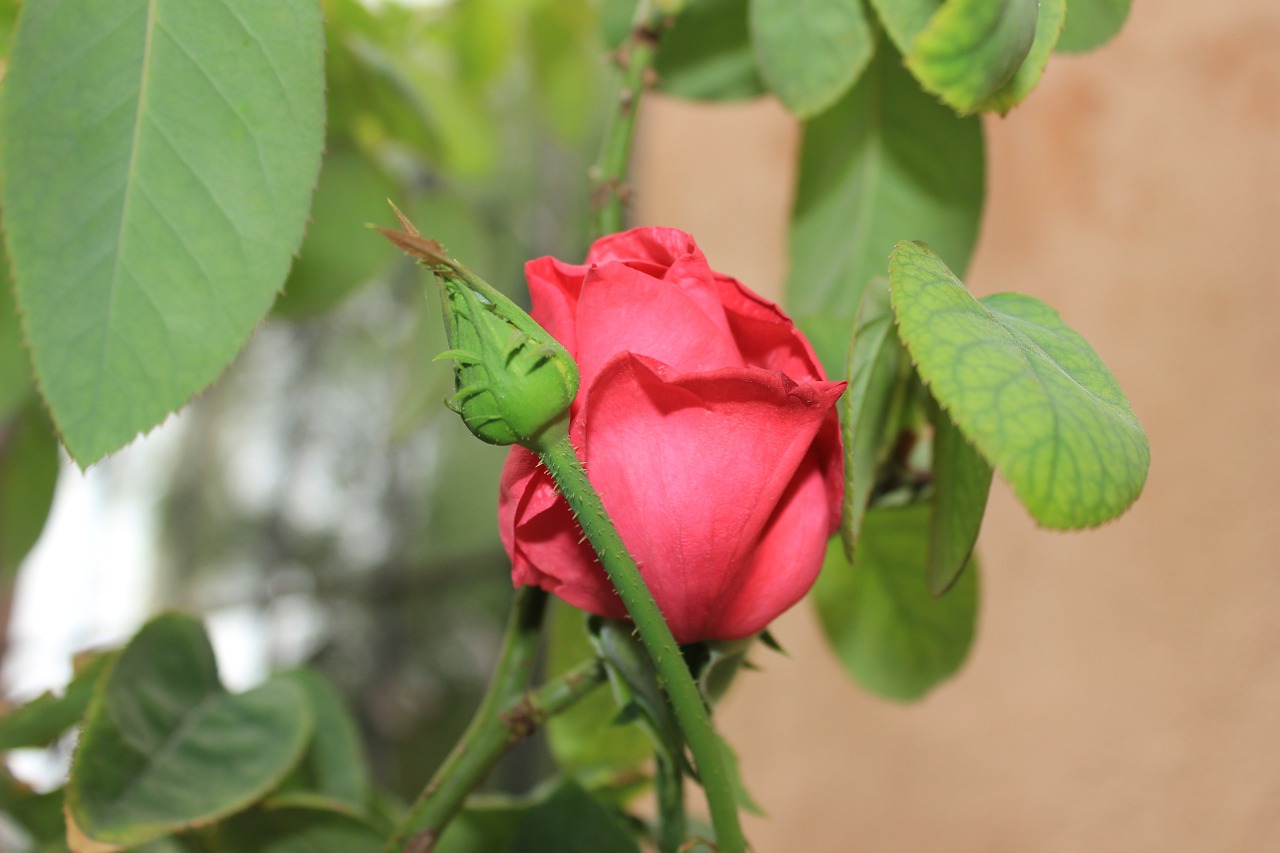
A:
{"points": [[691, 712], [669, 780], [492, 729], [608, 177], [474, 757]]}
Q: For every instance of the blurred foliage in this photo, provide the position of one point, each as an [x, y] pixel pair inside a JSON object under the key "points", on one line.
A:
{"points": [[322, 472]]}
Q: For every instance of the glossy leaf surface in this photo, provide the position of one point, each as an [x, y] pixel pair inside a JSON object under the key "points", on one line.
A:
{"points": [[158, 157], [961, 483], [886, 163], [1048, 29], [875, 360], [810, 51], [28, 479], [893, 636], [706, 54], [971, 48], [1026, 389], [1092, 23], [166, 748]]}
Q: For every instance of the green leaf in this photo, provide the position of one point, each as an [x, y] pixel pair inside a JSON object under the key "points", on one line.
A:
{"points": [[165, 747], [874, 367], [570, 820], [15, 367], [39, 815], [970, 48], [28, 478], [811, 51], [903, 20], [297, 830], [487, 825], [44, 719], [586, 739], [961, 483], [1092, 23], [1028, 391], [340, 253], [158, 158], [886, 628], [334, 765], [1048, 29], [636, 685], [887, 163], [707, 53], [564, 819]]}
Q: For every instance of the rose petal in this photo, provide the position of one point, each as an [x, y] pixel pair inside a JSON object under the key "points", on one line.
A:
{"points": [[658, 246], [545, 542], [692, 468], [554, 288], [765, 335], [623, 310], [788, 557]]}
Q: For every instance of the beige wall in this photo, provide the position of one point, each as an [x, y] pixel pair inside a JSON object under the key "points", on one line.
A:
{"points": [[1124, 690]]}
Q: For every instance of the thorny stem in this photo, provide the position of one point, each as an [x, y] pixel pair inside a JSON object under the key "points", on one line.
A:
{"points": [[691, 712], [507, 714], [609, 193]]}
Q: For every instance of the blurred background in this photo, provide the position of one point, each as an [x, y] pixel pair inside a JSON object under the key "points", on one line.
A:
{"points": [[1123, 691], [319, 504]]}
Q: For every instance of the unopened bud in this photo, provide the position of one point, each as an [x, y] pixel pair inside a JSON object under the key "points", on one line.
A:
{"points": [[512, 380]]}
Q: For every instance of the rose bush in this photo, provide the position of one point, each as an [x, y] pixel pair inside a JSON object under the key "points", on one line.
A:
{"points": [[708, 427]]}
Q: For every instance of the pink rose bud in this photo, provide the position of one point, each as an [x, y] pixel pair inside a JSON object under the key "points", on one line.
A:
{"points": [[708, 427]]}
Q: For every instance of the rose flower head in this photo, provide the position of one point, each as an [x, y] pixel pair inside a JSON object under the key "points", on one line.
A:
{"points": [[705, 422]]}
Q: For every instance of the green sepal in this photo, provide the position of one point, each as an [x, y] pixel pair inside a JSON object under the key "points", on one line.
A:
{"points": [[513, 382]]}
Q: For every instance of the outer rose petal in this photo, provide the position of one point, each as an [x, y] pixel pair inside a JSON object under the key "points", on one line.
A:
{"points": [[538, 530], [554, 288], [765, 335], [624, 310], [789, 556], [692, 468]]}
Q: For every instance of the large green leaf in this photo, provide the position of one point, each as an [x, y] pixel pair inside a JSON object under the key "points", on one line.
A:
{"points": [[874, 366], [707, 53], [44, 719], [903, 20], [158, 159], [1027, 390], [811, 51], [165, 747], [297, 830], [28, 478], [888, 631], [1092, 23], [961, 483], [334, 765], [570, 820], [564, 819], [486, 825], [15, 367], [971, 48], [886, 163], [1048, 29]]}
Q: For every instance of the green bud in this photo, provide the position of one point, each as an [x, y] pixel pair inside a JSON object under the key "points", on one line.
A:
{"points": [[512, 380]]}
